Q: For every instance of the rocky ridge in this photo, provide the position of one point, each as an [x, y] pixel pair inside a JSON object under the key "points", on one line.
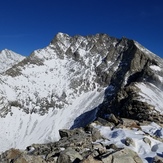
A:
{"points": [[114, 79]]}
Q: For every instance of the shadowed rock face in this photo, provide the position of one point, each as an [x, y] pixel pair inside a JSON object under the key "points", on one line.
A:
{"points": [[125, 64], [122, 97]]}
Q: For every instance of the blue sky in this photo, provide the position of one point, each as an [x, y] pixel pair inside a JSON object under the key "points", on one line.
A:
{"points": [[27, 25]]}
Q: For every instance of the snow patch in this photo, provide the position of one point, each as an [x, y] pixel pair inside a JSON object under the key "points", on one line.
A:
{"points": [[155, 68], [152, 95], [117, 136]]}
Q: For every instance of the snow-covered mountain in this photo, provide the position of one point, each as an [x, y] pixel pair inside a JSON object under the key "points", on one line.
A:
{"points": [[59, 80], [9, 58], [74, 80]]}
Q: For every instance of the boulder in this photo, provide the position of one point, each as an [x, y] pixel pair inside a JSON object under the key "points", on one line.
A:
{"points": [[158, 159], [93, 132], [90, 159], [130, 123], [68, 156], [64, 133], [122, 156], [147, 140], [100, 148], [112, 118], [129, 142], [17, 156]]}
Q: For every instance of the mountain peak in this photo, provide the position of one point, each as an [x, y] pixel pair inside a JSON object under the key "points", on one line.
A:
{"points": [[8, 52], [60, 35], [61, 38], [74, 81], [8, 58], [5, 51]]}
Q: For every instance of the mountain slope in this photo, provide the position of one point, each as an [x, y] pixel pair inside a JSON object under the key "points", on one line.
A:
{"points": [[49, 81], [73, 81], [9, 58]]}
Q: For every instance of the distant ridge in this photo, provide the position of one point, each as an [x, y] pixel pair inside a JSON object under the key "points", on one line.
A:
{"points": [[9, 58]]}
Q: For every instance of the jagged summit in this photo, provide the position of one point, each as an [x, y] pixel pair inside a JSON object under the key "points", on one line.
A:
{"points": [[5, 50], [75, 80]]}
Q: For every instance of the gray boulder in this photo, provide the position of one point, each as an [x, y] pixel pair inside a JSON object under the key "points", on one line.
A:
{"points": [[129, 141], [158, 159], [122, 156], [68, 156]]}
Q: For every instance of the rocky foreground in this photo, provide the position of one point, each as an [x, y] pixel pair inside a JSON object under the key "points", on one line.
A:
{"points": [[89, 145]]}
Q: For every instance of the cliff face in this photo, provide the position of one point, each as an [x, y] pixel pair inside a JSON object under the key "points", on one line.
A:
{"points": [[75, 81], [135, 89]]}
